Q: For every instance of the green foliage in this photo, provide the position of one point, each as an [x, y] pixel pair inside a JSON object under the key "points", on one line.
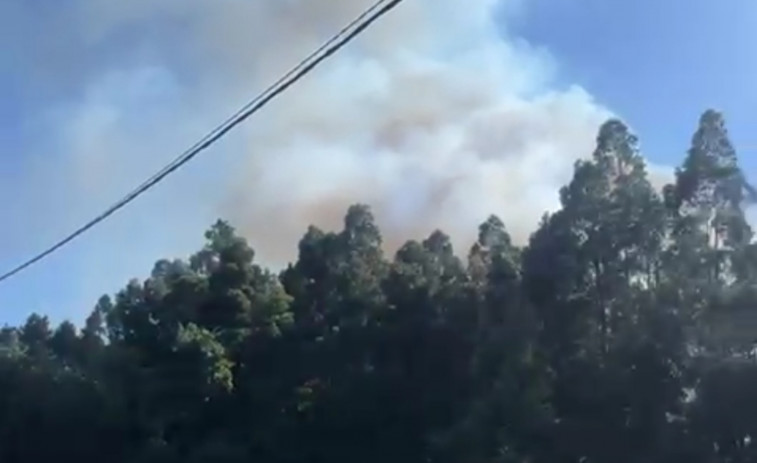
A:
{"points": [[623, 331]]}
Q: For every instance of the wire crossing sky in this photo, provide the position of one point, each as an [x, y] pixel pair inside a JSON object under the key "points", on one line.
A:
{"points": [[329, 48]]}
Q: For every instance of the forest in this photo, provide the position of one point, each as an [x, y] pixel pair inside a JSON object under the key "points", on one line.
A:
{"points": [[623, 331]]}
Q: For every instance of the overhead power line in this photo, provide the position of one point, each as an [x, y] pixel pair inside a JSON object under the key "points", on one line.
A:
{"points": [[331, 46]]}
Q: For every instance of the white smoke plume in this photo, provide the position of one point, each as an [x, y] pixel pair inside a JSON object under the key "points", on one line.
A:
{"points": [[436, 118]]}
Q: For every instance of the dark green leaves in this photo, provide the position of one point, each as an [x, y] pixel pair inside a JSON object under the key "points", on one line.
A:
{"points": [[624, 331]]}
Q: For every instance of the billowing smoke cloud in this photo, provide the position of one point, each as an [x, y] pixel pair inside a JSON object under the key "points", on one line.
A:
{"points": [[436, 118]]}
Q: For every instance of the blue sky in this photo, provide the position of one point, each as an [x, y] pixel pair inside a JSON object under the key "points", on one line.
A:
{"points": [[658, 64], [99, 95]]}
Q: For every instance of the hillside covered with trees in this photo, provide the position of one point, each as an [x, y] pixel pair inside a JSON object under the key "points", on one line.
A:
{"points": [[623, 332]]}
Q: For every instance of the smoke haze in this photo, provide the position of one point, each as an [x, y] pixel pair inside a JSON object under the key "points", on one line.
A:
{"points": [[437, 116]]}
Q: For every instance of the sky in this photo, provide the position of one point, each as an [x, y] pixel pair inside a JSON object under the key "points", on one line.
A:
{"points": [[444, 112]]}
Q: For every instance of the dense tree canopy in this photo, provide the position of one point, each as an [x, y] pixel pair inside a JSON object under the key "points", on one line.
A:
{"points": [[622, 332]]}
